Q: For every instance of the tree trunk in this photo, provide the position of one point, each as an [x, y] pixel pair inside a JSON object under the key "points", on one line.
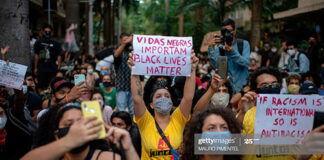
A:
{"points": [[181, 20], [167, 31], [112, 27], [199, 16], [86, 35], [14, 20], [256, 23], [120, 18], [73, 15], [99, 27], [107, 23]]}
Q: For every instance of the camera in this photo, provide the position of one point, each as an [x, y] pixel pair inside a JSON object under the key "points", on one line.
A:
{"points": [[227, 36]]}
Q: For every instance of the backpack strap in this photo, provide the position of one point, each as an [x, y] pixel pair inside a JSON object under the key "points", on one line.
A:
{"points": [[240, 45], [297, 61]]}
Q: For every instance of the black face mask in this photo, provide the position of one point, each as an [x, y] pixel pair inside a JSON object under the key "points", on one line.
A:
{"points": [[63, 132], [268, 90], [47, 35], [59, 99]]}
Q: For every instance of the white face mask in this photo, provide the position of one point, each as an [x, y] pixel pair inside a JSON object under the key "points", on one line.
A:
{"points": [[24, 89], [220, 99], [274, 50], [3, 122], [291, 52], [90, 70]]}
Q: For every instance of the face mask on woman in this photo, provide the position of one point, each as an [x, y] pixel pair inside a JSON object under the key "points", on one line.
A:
{"points": [[293, 89], [163, 106], [3, 121]]}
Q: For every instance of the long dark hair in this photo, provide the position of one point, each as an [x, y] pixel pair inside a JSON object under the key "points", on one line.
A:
{"points": [[194, 126], [48, 124]]}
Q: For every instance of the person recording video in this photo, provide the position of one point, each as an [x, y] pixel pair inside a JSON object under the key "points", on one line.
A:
{"points": [[236, 50]]}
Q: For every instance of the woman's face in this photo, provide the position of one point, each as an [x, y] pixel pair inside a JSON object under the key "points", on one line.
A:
{"points": [[69, 117], [97, 96], [160, 93], [214, 123], [2, 113]]}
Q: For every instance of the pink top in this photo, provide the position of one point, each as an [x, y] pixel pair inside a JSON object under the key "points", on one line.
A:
{"points": [[106, 114]]}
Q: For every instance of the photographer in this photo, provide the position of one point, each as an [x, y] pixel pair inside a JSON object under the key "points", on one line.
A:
{"points": [[236, 50]]}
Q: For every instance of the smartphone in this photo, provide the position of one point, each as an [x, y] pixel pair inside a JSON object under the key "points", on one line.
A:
{"points": [[79, 78], [92, 108], [222, 63], [318, 119]]}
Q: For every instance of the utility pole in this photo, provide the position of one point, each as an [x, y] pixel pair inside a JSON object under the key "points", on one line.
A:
{"points": [[49, 12], [91, 52]]}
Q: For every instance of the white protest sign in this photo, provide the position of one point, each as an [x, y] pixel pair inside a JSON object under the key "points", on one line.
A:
{"points": [[162, 55], [12, 75], [285, 119]]}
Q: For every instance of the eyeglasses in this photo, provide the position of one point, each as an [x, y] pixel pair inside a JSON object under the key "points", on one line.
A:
{"points": [[31, 80], [272, 85]]}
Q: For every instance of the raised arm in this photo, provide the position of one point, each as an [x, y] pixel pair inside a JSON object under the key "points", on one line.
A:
{"points": [[189, 87], [121, 48], [216, 82], [244, 59], [137, 91], [3, 52]]}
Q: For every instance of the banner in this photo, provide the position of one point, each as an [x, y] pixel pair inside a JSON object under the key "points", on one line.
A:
{"points": [[162, 55], [285, 119], [12, 75]]}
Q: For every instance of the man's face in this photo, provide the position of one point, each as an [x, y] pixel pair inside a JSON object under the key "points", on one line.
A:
{"points": [[123, 39], [30, 81], [311, 40], [62, 92], [265, 80], [291, 47], [119, 123], [229, 27]]}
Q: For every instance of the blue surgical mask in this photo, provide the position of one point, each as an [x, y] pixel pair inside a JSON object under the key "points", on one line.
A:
{"points": [[163, 105], [222, 138], [3, 121]]}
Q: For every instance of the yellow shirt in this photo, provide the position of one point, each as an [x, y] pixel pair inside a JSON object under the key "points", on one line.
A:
{"points": [[153, 146], [248, 128]]}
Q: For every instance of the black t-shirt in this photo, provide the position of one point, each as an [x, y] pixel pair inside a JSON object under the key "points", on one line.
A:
{"points": [[47, 51], [265, 57], [274, 59], [33, 102], [19, 137]]}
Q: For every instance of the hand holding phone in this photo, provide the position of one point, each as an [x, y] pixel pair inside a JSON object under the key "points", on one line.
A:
{"points": [[79, 78], [92, 108], [222, 62]]}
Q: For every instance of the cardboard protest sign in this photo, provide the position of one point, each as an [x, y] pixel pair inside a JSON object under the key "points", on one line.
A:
{"points": [[285, 119], [162, 55], [12, 75]]}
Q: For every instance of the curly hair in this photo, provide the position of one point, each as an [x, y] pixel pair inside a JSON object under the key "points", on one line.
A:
{"points": [[49, 122], [263, 70], [194, 126]]}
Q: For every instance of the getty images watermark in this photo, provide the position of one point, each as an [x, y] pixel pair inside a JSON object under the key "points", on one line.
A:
{"points": [[223, 143]]}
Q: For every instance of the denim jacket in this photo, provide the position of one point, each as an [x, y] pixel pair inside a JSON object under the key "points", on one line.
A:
{"points": [[237, 64], [303, 64]]}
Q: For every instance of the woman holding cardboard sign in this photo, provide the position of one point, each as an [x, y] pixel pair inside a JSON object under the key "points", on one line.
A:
{"points": [[162, 135]]}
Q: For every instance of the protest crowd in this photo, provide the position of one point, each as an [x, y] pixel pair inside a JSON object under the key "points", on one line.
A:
{"points": [[153, 113]]}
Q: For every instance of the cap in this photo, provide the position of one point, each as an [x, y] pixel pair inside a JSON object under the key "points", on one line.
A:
{"points": [[308, 88], [59, 82]]}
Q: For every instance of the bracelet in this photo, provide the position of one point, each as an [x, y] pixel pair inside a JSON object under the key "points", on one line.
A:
{"points": [[66, 98]]}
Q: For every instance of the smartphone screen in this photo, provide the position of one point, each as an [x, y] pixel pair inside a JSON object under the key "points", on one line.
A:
{"points": [[92, 108], [79, 78], [222, 66]]}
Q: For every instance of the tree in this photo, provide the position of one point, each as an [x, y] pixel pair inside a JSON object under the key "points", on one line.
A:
{"points": [[14, 20], [256, 22]]}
